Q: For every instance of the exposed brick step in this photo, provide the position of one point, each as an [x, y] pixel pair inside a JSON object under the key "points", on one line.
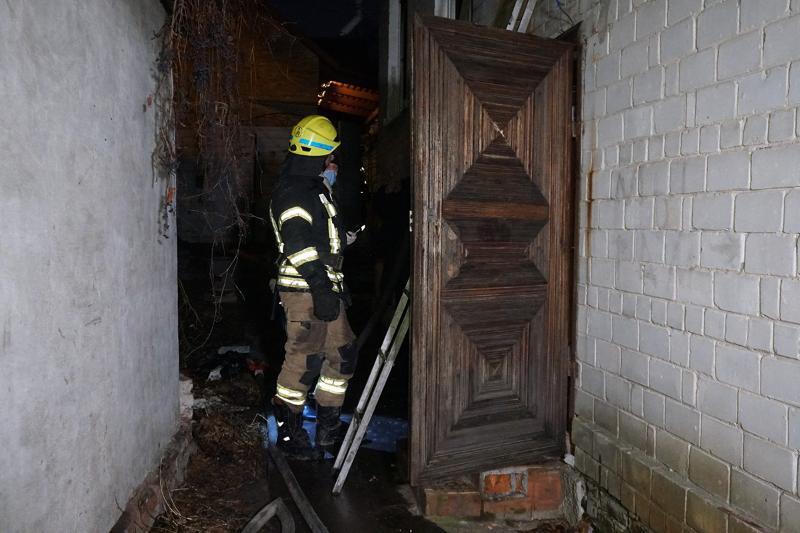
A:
{"points": [[518, 493]]}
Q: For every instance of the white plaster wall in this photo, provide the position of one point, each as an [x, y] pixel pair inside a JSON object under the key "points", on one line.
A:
{"points": [[88, 314]]}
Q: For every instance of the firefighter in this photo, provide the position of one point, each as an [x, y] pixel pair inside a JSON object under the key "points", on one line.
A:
{"points": [[319, 342]]}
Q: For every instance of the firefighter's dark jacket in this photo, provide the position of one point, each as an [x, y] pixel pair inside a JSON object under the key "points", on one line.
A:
{"points": [[309, 232]]}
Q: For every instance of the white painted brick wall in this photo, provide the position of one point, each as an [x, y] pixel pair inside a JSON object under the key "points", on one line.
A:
{"points": [[794, 83], [634, 59], [757, 498], [771, 253], [709, 138], [786, 340], [690, 139], [736, 329], [755, 131], [659, 280], [794, 428], [665, 378], [670, 114], [779, 379], [687, 175], [781, 125], [763, 417], [718, 400], [722, 440], [762, 92], [759, 211], [637, 122], [714, 324], [770, 462], [668, 213], [695, 286], [735, 292], [755, 13], [728, 171], [622, 33], [730, 134], [759, 334], [647, 87], [716, 103], [790, 301], [697, 70], [739, 55], [717, 23], [722, 250], [694, 319], [649, 246], [770, 297], [690, 301], [712, 211], [678, 9], [682, 248], [777, 166], [737, 367], [780, 41], [618, 96], [682, 421], [654, 340]]}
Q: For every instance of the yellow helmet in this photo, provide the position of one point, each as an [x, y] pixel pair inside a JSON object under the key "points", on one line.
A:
{"points": [[314, 136]]}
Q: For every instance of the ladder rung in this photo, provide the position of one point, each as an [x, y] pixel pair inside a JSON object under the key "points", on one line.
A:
{"points": [[393, 340]]}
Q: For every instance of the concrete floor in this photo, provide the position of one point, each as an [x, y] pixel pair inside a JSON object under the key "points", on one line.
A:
{"points": [[370, 501]]}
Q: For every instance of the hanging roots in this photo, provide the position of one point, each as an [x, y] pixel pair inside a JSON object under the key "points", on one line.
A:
{"points": [[199, 67]]}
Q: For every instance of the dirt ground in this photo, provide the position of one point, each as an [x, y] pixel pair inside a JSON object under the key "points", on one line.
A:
{"points": [[226, 481]]}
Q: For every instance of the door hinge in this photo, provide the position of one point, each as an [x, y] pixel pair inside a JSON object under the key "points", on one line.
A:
{"points": [[573, 122]]}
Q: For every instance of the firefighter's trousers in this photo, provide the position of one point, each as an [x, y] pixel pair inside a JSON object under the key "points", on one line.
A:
{"points": [[315, 349]]}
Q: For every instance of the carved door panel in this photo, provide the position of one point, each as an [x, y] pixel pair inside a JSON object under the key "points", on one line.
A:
{"points": [[491, 130]]}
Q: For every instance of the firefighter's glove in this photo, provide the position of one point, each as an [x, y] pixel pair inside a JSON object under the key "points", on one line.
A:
{"points": [[326, 304]]}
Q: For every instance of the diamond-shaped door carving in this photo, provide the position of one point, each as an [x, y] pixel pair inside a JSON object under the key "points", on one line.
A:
{"points": [[496, 332], [495, 367], [489, 206]]}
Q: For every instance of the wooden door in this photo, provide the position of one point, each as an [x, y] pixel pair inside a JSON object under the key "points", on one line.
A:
{"points": [[493, 228]]}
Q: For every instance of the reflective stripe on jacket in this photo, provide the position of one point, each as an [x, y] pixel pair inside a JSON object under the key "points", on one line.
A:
{"points": [[309, 234]]}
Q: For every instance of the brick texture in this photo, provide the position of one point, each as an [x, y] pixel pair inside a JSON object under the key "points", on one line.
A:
{"points": [[523, 492], [688, 399], [456, 503]]}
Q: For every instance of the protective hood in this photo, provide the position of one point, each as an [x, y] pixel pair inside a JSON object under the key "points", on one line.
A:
{"points": [[306, 166]]}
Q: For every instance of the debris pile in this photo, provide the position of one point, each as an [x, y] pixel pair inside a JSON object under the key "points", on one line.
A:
{"points": [[226, 481]]}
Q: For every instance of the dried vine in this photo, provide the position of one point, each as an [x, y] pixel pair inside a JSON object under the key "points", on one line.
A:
{"points": [[200, 62], [164, 158]]}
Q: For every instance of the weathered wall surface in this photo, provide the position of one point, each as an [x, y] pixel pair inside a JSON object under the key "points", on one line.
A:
{"points": [[88, 318], [688, 402]]}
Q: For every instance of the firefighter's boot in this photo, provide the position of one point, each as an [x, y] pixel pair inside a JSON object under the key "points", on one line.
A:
{"points": [[328, 429], [293, 439]]}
